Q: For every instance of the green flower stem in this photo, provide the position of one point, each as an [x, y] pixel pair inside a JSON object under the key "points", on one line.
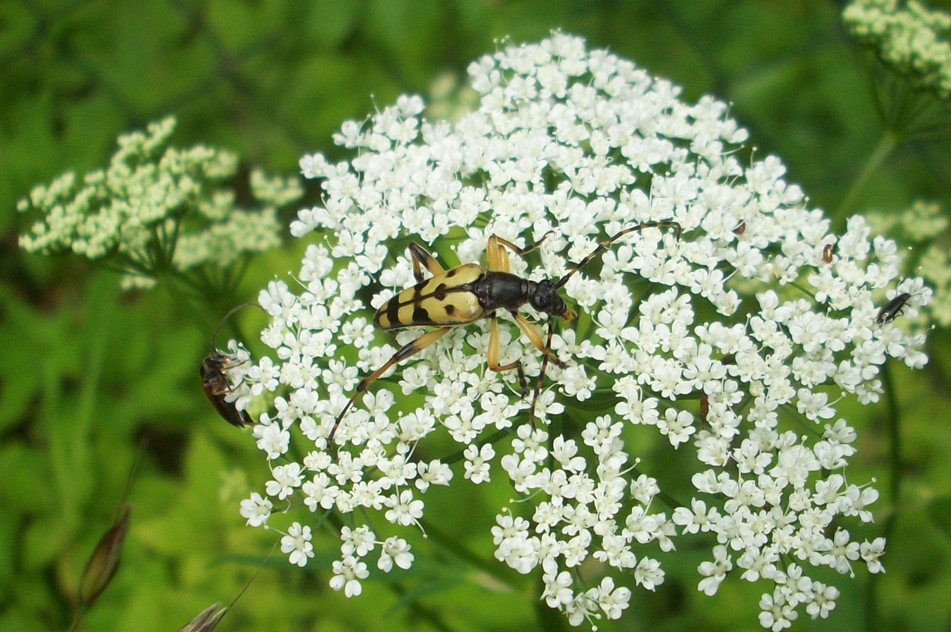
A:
{"points": [[873, 618], [451, 544], [894, 435], [172, 284], [548, 618], [885, 147]]}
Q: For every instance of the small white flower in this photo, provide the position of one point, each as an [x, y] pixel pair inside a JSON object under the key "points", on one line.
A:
{"points": [[613, 601], [677, 425], [477, 462], [358, 542], [287, 478], [714, 572], [347, 574], [297, 544], [777, 611], [256, 510], [404, 509], [395, 551], [872, 552]]}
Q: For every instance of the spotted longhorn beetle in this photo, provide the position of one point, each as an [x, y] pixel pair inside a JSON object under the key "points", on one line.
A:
{"points": [[466, 293]]}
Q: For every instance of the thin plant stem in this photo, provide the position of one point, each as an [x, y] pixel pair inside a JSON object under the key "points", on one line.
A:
{"points": [[886, 145], [451, 544], [874, 619]]}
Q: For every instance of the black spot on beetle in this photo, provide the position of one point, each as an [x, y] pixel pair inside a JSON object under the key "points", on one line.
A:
{"points": [[440, 292], [393, 312], [450, 309]]}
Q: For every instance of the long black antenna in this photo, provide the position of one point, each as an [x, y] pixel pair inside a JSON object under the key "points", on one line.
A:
{"points": [[597, 251], [225, 318], [606, 243]]}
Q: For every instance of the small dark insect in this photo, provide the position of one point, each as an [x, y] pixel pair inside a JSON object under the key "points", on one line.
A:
{"points": [[740, 228], [827, 252], [892, 308], [215, 382], [466, 293]]}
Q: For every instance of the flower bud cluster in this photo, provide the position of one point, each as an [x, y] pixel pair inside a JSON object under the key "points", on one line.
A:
{"points": [[156, 209], [908, 36]]}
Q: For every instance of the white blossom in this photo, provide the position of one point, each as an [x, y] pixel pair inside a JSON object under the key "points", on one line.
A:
{"points": [[297, 543], [155, 201]]}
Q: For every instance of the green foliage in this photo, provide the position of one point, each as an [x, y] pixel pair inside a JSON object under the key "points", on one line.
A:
{"points": [[91, 377]]}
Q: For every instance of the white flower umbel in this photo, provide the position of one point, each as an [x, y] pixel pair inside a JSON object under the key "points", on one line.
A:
{"points": [[728, 349], [910, 37], [922, 228], [157, 210]]}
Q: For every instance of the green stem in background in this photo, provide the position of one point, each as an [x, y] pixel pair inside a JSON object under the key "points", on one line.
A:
{"points": [[450, 543], [170, 284], [873, 619], [894, 435], [549, 619], [885, 147]]}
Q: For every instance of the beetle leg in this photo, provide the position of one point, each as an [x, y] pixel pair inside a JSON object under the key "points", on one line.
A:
{"points": [[527, 249], [496, 254], [406, 351], [499, 258], [421, 257], [532, 334], [492, 357], [541, 374]]}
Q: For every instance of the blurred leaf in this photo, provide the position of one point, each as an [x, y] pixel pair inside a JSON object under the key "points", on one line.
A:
{"points": [[939, 510], [9, 543], [25, 479], [46, 339], [328, 22]]}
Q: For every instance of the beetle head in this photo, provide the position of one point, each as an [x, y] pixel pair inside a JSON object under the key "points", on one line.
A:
{"points": [[546, 300]]}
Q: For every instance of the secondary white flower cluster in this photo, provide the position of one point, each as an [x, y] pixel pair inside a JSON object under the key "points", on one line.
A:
{"points": [[907, 36], [922, 228], [156, 208], [727, 349]]}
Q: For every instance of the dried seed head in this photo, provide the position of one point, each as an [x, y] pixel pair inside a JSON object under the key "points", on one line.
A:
{"points": [[104, 561], [207, 619]]}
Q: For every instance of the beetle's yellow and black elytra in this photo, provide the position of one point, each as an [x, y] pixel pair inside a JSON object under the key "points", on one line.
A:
{"points": [[440, 301], [468, 292]]}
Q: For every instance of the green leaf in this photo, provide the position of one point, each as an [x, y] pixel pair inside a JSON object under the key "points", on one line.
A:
{"points": [[939, 510]]}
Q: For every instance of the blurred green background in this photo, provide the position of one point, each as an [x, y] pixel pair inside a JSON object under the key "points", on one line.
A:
{"points": [[89, 376]]}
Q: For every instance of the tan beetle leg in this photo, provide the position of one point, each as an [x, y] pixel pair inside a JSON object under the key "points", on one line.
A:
{"points": [[406, 351], [541, 374], [492, 357], [532, 334], [496, 254], [499, 258]]}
